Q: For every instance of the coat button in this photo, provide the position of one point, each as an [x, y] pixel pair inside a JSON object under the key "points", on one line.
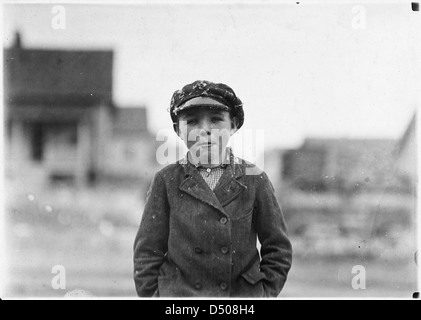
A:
{"points": [[223, 220], [224, 250], [198, 285], [198, 250], [223, 286]]}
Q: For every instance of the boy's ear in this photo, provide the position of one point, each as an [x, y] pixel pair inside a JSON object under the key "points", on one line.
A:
{"points": [[177, 129], [234, 125]]}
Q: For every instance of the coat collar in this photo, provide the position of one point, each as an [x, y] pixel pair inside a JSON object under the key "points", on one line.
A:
{"points": [[228, 188]]}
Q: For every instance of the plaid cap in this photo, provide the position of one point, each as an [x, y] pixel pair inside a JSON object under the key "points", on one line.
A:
{"points": [[219, 92]]}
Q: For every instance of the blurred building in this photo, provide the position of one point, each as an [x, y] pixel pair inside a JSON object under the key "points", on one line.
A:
{"points": [[62, 123], [337, 164]]}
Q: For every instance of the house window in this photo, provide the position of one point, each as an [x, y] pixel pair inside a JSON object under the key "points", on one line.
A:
{"points": [[37, 142]]}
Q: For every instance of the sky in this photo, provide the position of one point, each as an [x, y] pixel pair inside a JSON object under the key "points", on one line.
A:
{"points": [[314, 69]]}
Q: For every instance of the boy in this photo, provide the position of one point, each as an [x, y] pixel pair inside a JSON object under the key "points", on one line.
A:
{"points": [[204, 213]]}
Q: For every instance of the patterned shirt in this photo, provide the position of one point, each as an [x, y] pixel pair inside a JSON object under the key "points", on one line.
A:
{"points": [[211, 176]]}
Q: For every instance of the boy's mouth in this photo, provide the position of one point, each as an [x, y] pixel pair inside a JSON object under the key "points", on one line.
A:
{"points": [[207, 144]]}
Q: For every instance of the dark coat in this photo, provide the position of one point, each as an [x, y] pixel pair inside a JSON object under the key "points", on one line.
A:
{"points": [[195, 242]]}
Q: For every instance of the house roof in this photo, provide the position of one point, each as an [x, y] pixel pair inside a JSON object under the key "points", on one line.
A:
{"points": [[60, 77]]}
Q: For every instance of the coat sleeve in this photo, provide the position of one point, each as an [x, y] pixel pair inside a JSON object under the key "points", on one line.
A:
{"points": [[151, 243], [276, 249]]}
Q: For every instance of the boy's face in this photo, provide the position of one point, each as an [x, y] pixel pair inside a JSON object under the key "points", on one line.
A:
{"points": [[206, 132]]}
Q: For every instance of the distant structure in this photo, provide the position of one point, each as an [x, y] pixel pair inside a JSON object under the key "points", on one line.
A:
{"points": [[335, 164], [406, 153], [62, 123]]}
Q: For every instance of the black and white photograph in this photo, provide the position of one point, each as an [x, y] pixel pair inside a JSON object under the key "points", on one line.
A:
{"points": [[210, 149]]}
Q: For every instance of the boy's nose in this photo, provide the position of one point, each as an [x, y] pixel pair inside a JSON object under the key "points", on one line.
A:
{"points": [[205, 128]]}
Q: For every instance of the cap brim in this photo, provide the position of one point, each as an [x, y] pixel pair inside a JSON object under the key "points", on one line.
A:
{"points": [[201, 102]]}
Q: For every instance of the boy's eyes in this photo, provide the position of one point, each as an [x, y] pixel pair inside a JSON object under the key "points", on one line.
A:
{"points": [[195, 121]]}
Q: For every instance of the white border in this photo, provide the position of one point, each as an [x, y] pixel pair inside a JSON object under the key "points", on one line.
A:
{"points": [[417, 185], [3, 247], [207, 2]]}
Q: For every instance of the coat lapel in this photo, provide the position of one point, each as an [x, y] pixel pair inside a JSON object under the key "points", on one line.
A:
{"points": [[196, 186], [229, 186]]}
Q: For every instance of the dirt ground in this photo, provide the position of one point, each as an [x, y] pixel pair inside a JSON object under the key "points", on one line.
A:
{"points": [[98, 262]]}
